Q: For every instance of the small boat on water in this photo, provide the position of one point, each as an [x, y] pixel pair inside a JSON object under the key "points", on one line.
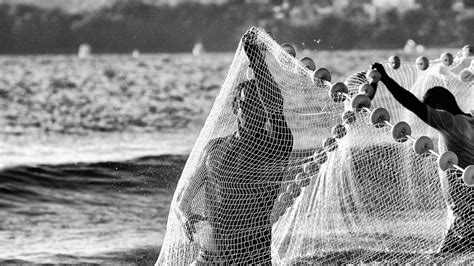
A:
{"points": [[198, 49]]}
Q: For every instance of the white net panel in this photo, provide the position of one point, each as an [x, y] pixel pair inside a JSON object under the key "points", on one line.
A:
{"points": [[260, 187]]}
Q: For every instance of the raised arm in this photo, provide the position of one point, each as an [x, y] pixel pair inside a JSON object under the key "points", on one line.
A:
{"points": [[268, 90], [403, 96]]}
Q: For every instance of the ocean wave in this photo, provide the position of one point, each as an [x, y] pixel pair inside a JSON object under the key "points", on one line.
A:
{"points": [[104, 212], [109, 93], [143, 175]]}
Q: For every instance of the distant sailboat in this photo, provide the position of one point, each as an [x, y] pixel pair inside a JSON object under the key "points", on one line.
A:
{"points": [[198, 48], [136, 53], [412, 47], [84, 51]]}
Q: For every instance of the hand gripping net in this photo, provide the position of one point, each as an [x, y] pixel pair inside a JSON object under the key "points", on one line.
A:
{"points": [[350, 194]]}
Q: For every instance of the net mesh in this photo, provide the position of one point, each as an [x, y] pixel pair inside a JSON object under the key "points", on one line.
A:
{"points": [[259, 187]]}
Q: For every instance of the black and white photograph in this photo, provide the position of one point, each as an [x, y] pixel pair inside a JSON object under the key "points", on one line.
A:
{"points": [[236, 132]]}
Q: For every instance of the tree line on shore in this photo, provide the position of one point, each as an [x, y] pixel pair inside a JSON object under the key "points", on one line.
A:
{"points": [[129, 25]]}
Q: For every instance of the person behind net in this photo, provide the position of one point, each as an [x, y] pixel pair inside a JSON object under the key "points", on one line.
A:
{"points": [[241, 172], [440, 110]]}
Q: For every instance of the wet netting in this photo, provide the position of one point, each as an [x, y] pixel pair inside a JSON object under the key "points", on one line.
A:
{"points": [[290, 168]]}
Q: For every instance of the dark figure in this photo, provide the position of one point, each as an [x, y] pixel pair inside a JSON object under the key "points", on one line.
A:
{"points": [[440, 110], [241, 172]]}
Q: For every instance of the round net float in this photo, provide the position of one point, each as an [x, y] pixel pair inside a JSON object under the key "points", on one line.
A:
{"points": [[422, 63], [249, 73], [320, 157], [274, 217], [308, 63], [302, 180], [294, 190], [468, 176], [379, 116], [367, 89], [330, 144], [394, 61], [285, 199], [310, 168], [280, 213], [280, 210], [400, 131], [322, 73], [466, 75], [373, 76], [447, 59], [348, 117], [338, 131], [360, 101], [446, 160], [337, 91], [289, 49], [422, 145], [468, 50]]}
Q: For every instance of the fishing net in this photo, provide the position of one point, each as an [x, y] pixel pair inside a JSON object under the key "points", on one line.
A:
{"points": [[287, 175]]}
